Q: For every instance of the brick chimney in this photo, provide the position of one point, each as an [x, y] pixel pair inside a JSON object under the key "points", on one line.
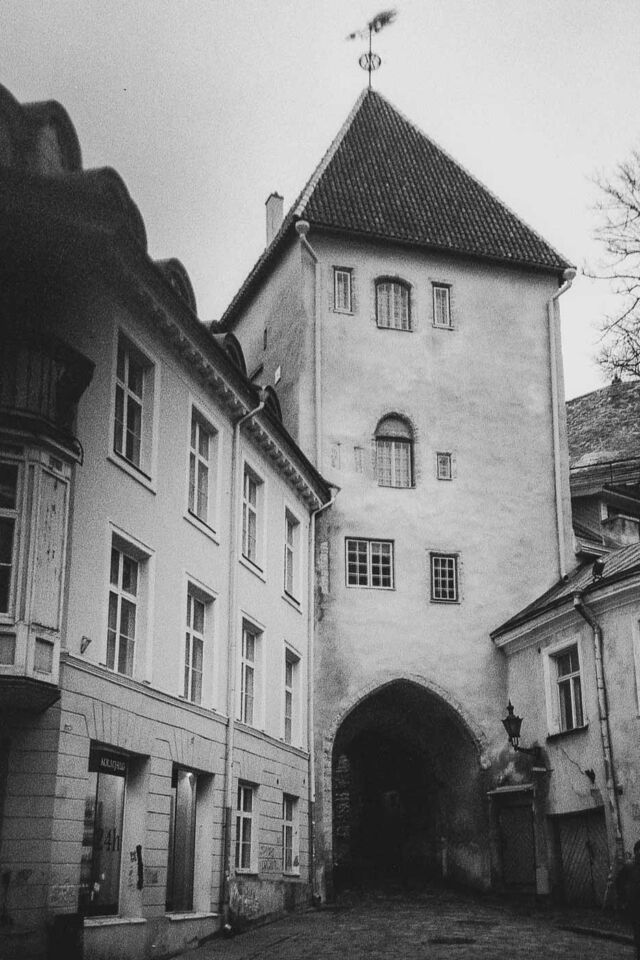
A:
{"points": [[275, 207]]}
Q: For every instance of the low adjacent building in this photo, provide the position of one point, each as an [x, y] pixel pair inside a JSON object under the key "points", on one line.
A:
{"points": [[156, 522]]}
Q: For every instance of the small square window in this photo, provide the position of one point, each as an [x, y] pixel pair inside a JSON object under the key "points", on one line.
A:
{"points": [[443, 466], [370, 563], [342, 296], [441, 305], [444, 577]]}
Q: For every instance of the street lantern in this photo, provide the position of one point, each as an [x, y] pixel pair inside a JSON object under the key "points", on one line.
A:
{"points": [[512, 724]]}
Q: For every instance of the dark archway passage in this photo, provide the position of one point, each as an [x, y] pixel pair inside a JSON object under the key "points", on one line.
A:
{"points": [[408, 799]]}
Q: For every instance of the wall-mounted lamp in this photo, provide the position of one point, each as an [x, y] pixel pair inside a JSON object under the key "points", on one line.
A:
{"points": [[512, 725]]}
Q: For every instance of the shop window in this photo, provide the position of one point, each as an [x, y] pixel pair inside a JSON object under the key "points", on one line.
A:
{"points": [[102, 837]]}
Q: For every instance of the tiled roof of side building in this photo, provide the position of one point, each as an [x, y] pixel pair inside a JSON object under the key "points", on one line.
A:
{"points": [[617, 566], [604, 425], [383, 179]]}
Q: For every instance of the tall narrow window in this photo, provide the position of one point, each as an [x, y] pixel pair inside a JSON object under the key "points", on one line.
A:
{"points": [[182, 837], [394, 453], [200, 467], [290, 852], [248, 665], [244, 828], [194, 648], [370, 563], [102, 838], [291, 554], [342, 296], [8, 524], [444, 577], [569, 688], [441, 305], [123, 609], [127, 439], [291, 663], [251, 494], [392, 305]]}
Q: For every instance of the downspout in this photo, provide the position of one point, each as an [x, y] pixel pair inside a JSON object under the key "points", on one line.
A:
{"points": [[311, 605], [231, 668], [605, 733], [554, 323], [302, 228]]}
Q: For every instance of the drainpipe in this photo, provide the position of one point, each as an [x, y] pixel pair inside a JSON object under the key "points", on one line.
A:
{"points": [[311, 605], [231, 666], [605, 733], [302, 229], [554, 324]]}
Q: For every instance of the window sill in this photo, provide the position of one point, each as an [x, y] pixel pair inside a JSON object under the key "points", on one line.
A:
{"points": [[113, 921], [292, 875], [254, 568], [181, 917], [442, 326], [394, 329], [142, 478], [361, 586], [445, 603], [203, 527], [558, 734], [246, 873], [345, 313], [292, 601]]}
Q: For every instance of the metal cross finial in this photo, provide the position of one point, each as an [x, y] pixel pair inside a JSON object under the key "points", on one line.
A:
{"points": [[371, 61]]}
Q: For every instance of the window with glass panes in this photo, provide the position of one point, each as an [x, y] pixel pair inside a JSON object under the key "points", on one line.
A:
{"points": [[290, 856], [123, 609], [9, 473], [128, 425], [102, 837], [248, 673], [244, 827], [441, 305], [370, 563], [291, 527], [392, 305], [342, 290], [290, 679], [444, 577], [444, 468], [569, 688], [250, 493], [394, 452], [194, 649], [199, 468]]}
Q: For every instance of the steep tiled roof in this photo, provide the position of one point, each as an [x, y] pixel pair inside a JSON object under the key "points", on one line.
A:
{"points": [[382, 178], [617, 566], [605, 425]]}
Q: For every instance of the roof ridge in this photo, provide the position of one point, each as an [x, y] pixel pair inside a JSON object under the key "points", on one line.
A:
{"points": [[314, 179], [471, 175]]}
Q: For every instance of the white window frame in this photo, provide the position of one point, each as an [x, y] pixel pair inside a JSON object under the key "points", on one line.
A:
{"points": [[343, 300], [399, 449], [291, 699], [197, 463], [394, 320], [444, 465], [250, 686], [635, 639], [290, 835], [14, 514], [194, 636], [435, 580], [142, 467], [143, 556], [370, 547], [252, 548], [292, 555], [243, 817], [552, 681], [441, 296], [118, 596]]}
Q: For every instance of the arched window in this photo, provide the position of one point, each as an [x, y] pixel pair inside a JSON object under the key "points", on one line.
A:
{"points": [[393, 308], [394, 452]]}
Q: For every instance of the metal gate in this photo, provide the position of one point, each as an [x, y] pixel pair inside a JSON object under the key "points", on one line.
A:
{"points": [[517, 843], [582, 855]]}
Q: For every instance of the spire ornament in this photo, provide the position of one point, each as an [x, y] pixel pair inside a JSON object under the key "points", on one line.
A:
{"points": [[371, 61]]}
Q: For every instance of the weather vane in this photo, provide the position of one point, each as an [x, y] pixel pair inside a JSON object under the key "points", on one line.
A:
{"points": [[371, 61]]}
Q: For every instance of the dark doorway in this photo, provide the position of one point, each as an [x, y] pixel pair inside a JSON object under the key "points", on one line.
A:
{"points": [[582, 857], [407, 801]]}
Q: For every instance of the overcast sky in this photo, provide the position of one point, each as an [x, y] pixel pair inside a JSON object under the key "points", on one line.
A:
{"points": [[206, 106]]}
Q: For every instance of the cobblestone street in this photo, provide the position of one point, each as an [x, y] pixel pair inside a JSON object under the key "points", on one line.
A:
{"points": [[434, 925]]}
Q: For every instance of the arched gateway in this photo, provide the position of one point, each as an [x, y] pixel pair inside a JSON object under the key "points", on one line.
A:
{"points": [[407, 793]]}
